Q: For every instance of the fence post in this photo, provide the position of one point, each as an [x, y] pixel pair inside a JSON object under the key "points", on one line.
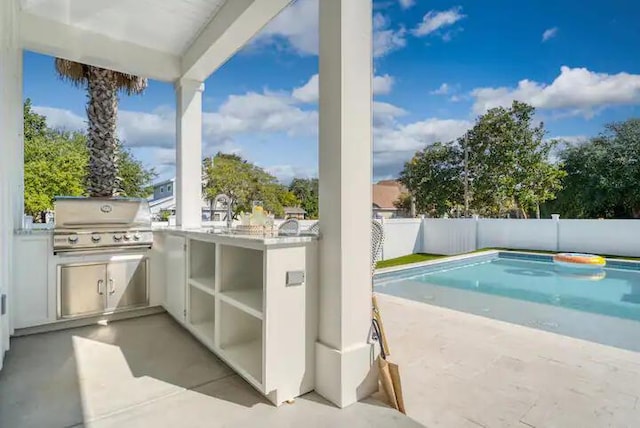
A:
{"points": [[384, 230], [556, 218], [476, 219]]}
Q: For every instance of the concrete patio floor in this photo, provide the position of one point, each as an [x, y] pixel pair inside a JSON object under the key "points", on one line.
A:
{"points": [[463, 370], [149, 372]]}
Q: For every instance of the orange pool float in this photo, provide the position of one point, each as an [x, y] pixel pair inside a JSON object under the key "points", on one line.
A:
{"points": [[579, 260]]}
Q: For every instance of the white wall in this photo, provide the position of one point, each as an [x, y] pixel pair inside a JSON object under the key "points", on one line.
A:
{"points": [[455, 236], [448, 236], [402, 236], [518, 234], [615, 237]]}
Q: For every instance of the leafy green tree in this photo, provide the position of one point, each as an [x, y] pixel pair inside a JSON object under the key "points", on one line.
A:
{"points": [[306, 191], [53, 165], [508, 162], [603, 175], [244, 182], [135, 180], [434, 177]]}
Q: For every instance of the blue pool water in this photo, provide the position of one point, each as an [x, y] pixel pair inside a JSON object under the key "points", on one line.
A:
{"points": [[612, 292]]}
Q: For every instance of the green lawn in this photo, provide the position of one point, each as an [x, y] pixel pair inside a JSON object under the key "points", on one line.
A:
{"points": [[422, 257], [411, 258]]}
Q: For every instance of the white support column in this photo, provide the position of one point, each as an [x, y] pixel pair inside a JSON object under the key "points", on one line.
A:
{"points": [[343, 356], [11, 164], [189, 153]]}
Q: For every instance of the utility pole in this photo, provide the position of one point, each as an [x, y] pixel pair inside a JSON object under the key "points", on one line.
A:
{"points": [[466, 175]]}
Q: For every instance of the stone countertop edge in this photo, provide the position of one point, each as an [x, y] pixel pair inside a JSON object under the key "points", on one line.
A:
{"points": [[32, 232], [265, 240]]}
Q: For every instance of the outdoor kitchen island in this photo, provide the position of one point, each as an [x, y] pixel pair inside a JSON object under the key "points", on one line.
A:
{"points": [[252, 300]]}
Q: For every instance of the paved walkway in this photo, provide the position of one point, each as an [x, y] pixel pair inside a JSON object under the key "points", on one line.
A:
{"points": [[149, 372], [463, 370]]}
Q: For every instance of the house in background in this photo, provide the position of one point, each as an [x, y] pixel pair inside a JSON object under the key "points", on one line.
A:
{"points": [[294, 212], [384, 194], [164, 200]]}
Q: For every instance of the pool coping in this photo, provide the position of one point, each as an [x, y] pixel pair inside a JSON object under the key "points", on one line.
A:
{"points": [[617, 263]]}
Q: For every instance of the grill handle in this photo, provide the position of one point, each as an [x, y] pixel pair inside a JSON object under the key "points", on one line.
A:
{"points": [[112, 288], [100, 285]]}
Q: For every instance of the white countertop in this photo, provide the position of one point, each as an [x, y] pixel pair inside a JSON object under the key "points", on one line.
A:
{"points": [[206, 233]]}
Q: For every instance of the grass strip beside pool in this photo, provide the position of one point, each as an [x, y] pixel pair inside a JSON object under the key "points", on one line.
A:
{"points": [[411, 258]]}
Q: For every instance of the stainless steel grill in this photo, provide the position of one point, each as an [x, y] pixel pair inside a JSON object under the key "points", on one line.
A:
{"points": [[101, 224]]}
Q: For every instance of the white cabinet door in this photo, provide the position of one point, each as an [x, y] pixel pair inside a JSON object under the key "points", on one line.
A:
{"points": [[31, 298], [176, 276]]}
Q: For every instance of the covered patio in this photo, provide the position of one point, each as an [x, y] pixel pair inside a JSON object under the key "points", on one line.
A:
{"points": [[149, 372], [184, 42]]}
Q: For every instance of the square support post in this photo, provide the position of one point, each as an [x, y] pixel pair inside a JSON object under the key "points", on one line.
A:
{"points": [[11, 161], [344, 372], [189, 153]]}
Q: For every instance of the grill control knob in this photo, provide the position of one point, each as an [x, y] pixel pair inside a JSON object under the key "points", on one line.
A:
{"points": [[73, 239], [127, 237], [117, 237], [136, 236], [95, 238]]}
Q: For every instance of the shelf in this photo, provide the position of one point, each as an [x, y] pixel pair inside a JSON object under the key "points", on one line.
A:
{"points": [[202, 261], [204, 331], [240, 269], [247, 357], [241, 339], [201, 313], [249, 300], [203, 284]]}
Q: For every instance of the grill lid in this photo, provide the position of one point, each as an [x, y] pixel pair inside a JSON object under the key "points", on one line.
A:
{"points": [[101, 213]]}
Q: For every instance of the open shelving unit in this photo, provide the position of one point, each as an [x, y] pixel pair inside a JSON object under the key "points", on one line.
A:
{"points": [[240, 341], [201, 314], [202, 265], [241, 279], [228, 286]]}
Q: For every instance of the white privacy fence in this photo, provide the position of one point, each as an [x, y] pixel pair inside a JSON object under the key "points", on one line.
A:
{"points": [[455, 236]]}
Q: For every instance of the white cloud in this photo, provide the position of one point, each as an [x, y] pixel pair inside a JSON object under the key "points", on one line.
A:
{"points": [[442, 90], [549, 33], [286, 173], [574, 91], [395, 144], [64, 120], [434, 21], [406, 4], [309, 92], [297, 25], [386, 39], [382, 84]]}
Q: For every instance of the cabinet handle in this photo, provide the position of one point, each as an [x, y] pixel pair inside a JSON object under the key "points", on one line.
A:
{"points": [[112, 288], [100, 284]]}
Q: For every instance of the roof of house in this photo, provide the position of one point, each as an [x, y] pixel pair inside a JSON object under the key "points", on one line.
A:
{"points": [[386, 192], [294, 210]]}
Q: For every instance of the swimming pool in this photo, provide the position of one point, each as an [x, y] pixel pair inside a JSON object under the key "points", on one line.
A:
{"points": [[529, 289]]}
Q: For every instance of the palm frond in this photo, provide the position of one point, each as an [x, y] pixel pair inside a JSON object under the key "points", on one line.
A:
{"points": [[130, 84], [78, 74], [72, 71]]}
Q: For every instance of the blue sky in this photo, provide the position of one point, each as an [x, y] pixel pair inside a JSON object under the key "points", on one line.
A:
{"points": [[438, 64]]}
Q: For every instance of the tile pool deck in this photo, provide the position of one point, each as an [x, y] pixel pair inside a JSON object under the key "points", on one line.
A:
{"points": [[464, 370]]}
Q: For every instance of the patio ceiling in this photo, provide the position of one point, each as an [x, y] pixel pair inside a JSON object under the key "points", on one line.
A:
{"points": [[161, 39]]}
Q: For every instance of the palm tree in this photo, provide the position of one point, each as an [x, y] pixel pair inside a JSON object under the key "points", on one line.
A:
{"points": [[102, 111]]}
